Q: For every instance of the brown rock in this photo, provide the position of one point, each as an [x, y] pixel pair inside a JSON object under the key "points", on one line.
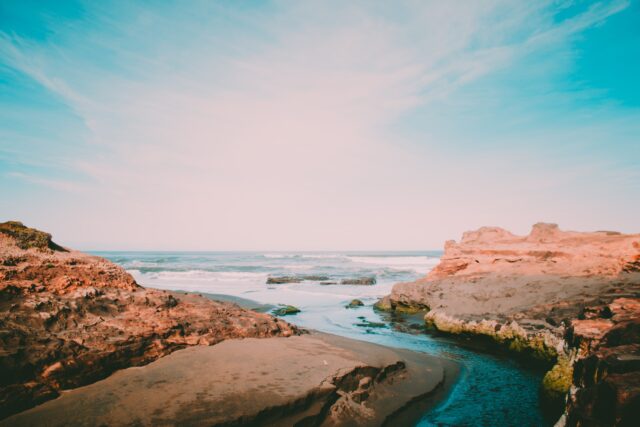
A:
{"points": [[69, 319], [570, 292]]}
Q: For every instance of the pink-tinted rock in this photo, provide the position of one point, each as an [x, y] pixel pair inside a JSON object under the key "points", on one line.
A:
{"points": [[69, 319], [558, 287], [588, 333]]}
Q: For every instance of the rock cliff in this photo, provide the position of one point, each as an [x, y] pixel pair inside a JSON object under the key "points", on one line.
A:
{"points": [[569, 298], [68, 319]]}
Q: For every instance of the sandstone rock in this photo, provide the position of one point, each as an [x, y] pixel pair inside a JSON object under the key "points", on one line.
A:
{"points": [[69, 319], [384, 304], [568, 297], [546, 250], [585, 334]]}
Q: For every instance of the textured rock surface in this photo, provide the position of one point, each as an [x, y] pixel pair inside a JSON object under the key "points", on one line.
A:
{"points": [[560, 296], [500, 273], [69, 319], [314, 379], [606, 377]]}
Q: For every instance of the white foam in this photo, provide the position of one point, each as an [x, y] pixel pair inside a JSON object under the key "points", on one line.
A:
{"points": [[278, 255], [297, 266], [138, 263], [323, 256], [420, 264], [202, 275]]}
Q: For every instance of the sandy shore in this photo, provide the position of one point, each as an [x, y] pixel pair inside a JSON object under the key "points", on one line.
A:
{"points": [[317, 378]]}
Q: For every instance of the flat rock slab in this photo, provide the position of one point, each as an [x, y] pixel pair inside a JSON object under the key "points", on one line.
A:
{"points": [[273, 381]]}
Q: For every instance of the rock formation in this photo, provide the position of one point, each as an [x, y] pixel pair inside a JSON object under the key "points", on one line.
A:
{"points": [[69, 319], [569, 298], [308, 380]]}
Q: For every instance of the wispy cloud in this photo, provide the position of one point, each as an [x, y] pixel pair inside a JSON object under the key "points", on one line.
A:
{"points": [[294, 124]]}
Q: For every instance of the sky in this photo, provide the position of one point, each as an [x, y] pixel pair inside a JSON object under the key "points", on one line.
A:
{"points": [[317, 125]]}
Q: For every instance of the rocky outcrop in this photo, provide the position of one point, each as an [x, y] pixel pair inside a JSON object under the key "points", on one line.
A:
{"points": [[566, 297], [606, 378], [69, 319], [308, 380]]}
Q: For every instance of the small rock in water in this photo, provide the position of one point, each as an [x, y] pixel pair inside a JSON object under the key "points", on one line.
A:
{"points": [[283, 279], [278, 280], [368, 324], [359, 281], [285, 310], [354, 303]]}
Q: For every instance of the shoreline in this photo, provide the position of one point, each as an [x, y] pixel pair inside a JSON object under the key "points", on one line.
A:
{"points": [[316, 377]]}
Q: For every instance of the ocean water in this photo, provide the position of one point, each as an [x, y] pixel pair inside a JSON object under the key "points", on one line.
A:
{"points": [[492, 390]]}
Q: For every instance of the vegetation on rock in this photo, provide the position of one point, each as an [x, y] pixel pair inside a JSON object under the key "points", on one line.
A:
{"points": [[557, 382], [354, 303], [27, 238], [285, 310], [364, 323]]}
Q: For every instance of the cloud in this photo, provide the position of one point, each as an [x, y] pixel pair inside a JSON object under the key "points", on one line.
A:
{"points": [[278, 126]]}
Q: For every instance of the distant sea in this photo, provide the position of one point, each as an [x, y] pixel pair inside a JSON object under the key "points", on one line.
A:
{"points": [[244, 274], [492, 390]]}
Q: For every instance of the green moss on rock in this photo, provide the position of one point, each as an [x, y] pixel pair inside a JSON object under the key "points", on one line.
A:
{"points": [[556, 382], [409, 309], [354, 303], [27, 238], [285, 310], [369, 324], [384, 304]]}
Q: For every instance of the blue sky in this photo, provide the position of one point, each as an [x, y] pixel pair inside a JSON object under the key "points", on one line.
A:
{"points": [[317, 125]]}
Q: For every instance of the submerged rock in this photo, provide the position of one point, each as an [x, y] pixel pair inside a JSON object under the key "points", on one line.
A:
{"points": [[364, 323], [359, 281], [285, 310], [283, 279], [278, 280], [324, 280], [354, 303]]}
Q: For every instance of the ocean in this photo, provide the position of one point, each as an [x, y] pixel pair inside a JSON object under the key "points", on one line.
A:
{"points": [[492, 390]]}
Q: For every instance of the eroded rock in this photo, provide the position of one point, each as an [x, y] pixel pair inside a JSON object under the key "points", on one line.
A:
{"points": [[69, 319], [566, 297]]}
